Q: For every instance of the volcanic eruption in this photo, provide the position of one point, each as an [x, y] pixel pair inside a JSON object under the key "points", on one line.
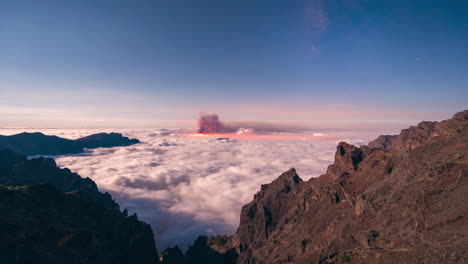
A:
{"points": [[209, 124]]}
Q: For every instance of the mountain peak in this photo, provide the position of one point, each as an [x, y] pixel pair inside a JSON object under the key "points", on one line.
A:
{"points": [[463, 115]]}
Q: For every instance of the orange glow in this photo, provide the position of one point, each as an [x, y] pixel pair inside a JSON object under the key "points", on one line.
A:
{"points": [[311, 136]]}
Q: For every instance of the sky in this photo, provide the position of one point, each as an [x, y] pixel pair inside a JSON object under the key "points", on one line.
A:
{"points": [[336, 64]]}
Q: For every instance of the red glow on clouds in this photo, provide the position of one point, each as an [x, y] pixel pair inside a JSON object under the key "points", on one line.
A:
{"points": [[210, 126], [312, 136]]}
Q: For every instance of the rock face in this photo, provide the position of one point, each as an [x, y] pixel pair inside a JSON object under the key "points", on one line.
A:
{"points": [[50, 215], [39, 144], [400, 199]]}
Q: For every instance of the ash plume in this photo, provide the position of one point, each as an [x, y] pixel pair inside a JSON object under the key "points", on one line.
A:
{"points": [[209, 124]]}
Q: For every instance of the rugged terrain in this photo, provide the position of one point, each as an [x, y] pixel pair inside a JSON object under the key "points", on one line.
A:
{"points": [[39, 144], [51, 215], [400, 199]]}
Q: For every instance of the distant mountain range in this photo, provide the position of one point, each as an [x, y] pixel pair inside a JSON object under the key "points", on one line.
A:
{"points": [[39, 144]]}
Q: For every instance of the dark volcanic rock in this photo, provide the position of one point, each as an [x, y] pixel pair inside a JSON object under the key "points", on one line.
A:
{"points": [[206, 250], [202, 252], [16, 170], [39, 144], [51, 215], [172, 255], [401, 199], [40, 224]]}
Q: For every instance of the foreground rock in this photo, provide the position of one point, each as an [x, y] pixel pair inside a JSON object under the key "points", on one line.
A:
{"points": [[39, 144], [401, 199], [204, 250], [50, 215]]}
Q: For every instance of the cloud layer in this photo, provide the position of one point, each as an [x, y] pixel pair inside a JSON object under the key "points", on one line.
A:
{"points": [[186, 186]]}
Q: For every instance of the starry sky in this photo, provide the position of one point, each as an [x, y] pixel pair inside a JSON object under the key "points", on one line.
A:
{"points": [[152, 63]]}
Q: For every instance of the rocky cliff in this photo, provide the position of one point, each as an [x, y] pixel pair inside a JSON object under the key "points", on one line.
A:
{"points": [[39, 144], [51, 215], [400, 199]]}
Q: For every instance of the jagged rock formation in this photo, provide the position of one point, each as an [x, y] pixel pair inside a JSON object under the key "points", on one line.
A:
{"points": [[172, 255], [400, 199], [39, 144], [50, 215], [204, 250]]}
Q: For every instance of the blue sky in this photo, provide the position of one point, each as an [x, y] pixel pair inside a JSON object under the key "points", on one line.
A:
{"points": [[159, 63]]}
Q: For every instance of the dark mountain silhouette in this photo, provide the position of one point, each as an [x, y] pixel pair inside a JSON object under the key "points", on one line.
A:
{"points": [[39, 144], [51, 215], [17, 170], [400, 199], [204, 250]]}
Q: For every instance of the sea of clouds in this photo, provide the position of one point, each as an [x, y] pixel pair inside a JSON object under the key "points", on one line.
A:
{"points": [[187, 186]]}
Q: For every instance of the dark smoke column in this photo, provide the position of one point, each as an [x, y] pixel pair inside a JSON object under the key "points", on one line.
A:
{"points": [[209, 124]]}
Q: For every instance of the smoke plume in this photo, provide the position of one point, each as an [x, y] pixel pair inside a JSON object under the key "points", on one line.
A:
{"points": [[209, 124]]}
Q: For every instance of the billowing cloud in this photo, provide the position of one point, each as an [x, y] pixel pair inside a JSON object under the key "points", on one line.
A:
{"points": [[185, 187]]}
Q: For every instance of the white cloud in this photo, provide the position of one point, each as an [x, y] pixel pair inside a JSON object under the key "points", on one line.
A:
{"points": [[185, 187]]}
